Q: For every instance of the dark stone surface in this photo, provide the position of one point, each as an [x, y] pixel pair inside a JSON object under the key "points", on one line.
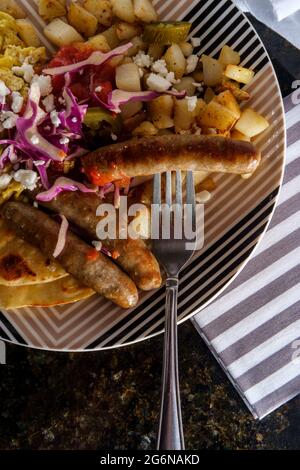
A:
{"points": [[110, 399]]}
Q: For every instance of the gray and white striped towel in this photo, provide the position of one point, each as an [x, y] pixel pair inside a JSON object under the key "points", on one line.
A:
{"points": [[253, 328]]}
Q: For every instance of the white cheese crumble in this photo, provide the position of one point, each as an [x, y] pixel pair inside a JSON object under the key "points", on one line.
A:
{"points": [[64, 140], [97, 244], [17, 102], [98, 89], [191, 63], [8, 119], [35, 204], [74, 119], [191, 102], [35, 140], [48, 102], [27, 178], [160, 67], [143, 60], [114, 136], [26, 71], [44, 83], [55, 118], [195, 42], [157, 83], [4, 91], [5, 179]]}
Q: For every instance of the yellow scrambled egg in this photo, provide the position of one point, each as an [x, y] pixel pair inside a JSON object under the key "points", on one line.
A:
{"points": [[14, 189], [8, 32]]}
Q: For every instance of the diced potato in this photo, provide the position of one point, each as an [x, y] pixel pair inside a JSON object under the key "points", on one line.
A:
{"points": [[239, 74], [229, 56], [251, 123], [126, 31], [198, 76], [126, 60], [199, 177], [12, 8], [207, 184], [161, 112], [144, 11], [101, 9], [131, 109], [156, 51], [123, 9], [186, 48], [111, 37], [227, 99], [186, 83], [145, 129], [137, 45], [61, 34], [236, 135], [183, 118], [209, 95], [217, 116], [82, 20], [175, 60], [128, 77], [99, 42], [212, 71], [240, 95], [28, 33], [50, 9], [201, 106], [246, 176]]}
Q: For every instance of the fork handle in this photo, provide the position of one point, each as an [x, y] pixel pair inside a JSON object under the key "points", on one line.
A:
{"points": [[170, 434]]}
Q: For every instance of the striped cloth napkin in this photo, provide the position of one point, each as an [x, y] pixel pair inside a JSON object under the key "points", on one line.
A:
{"points": [[253, 328]]}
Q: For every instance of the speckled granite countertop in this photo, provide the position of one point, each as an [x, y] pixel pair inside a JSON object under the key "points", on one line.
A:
{"points": [[110, 399]]}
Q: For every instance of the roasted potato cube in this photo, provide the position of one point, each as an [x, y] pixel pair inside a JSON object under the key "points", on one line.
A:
{"points": [[128, 77], [28, 33], [12, 8], [175, 60], [186, 83], [144, 11], [240, 95], [101, 9], [123, 9], [160, 112], [156, 51], [83, 21], [251, 123], [126, 31], [229, 56], [99, 42], [217, 116], [145, 129], [111, 37], [50, 9], [227, 99], [239, 74], [137, 45], [187, 48], [201, 106], [183, 117], [237, 135], [209, 95], [61, 34], [131, 109], [212, 71]]}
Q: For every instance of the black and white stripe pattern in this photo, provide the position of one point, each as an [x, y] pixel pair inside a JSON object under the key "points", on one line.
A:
{"points": [[236, 217], [254, 326]]}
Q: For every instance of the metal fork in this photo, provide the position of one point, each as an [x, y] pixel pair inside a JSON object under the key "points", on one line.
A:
{"points": [[173, 256]]}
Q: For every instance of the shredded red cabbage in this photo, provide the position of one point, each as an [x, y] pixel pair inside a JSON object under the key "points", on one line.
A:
{"points": [[118, 97], [62, 236], [63, 184]]}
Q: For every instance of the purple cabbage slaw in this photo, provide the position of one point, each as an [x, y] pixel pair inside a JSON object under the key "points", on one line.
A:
{"points": [[63, 184]]}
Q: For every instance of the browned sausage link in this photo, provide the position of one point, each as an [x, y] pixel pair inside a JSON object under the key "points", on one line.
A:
{"points": [[100, 273], [135, 258], [158, 154]]}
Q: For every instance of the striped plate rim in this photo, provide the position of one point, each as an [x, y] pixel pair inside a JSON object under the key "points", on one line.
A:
{"points": [[236, 218]]}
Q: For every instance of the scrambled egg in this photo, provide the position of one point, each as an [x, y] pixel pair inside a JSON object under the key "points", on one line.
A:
{"points": [[8, 32], [13, 82], [14, 189], [17, 55]]}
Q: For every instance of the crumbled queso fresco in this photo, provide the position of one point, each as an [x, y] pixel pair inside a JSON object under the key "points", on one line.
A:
{"points": [[28, 178]]}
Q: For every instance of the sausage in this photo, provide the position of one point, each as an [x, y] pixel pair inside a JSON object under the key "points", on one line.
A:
{"points": [[135, 258], [98, 272], [147, 156]]}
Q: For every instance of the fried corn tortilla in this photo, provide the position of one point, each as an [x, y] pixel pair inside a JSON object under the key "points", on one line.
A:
{"points": [[62, 291], [22, 264]]}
